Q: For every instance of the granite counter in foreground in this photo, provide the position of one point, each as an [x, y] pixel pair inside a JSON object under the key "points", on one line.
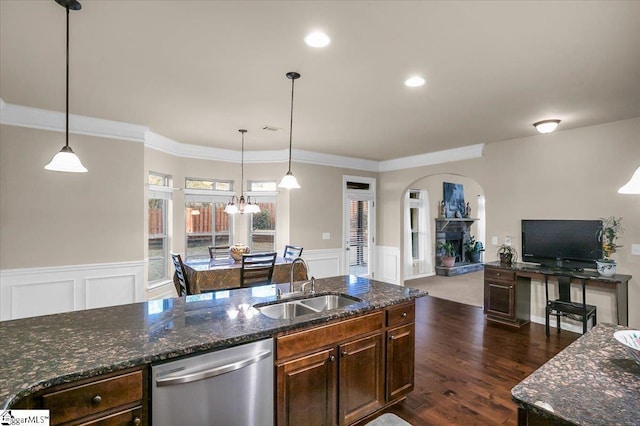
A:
{"points": [[593, 381], [44, 351]]}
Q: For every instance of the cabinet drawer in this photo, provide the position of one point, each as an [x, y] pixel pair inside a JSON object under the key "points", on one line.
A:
{"points": [[319, 337], [401, 314], [499, 274], [131, 417], [80, 401]]}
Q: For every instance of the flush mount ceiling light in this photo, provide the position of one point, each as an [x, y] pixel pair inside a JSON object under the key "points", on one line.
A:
{"points": [[415, 81], [633, 186], [244, 206], [289, 180], [66, 160], [546, 126], [317, 39]]}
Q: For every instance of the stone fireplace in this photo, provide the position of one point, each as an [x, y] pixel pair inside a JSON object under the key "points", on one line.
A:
{"points": [[457, 231]]}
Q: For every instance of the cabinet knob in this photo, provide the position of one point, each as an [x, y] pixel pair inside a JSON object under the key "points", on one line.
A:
{"points": [[392, 337], [96, 399], [498, 274], [404, 315], [332, 358], [137, 421], [344, 353], [510, 287]]}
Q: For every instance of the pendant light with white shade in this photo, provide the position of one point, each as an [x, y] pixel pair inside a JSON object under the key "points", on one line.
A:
{"points": [[289, 180], [633, 186], [244, 206], [66, 160]]}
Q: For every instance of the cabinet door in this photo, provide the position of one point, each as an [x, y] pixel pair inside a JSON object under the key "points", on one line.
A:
{"points": [[400, 361], [499, 299], [307, 390], [361, 378]]}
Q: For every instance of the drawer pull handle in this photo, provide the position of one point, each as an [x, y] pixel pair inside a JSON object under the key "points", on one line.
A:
{"points": [[332, 358], [137, 421], [498, 274], [404, 315], [96, 399]]}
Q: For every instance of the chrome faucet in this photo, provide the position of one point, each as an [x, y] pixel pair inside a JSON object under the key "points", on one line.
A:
{"points": [[293, 264]]}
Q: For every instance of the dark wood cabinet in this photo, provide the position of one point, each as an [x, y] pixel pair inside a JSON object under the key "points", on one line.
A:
{"points": [[108, 400], [342, 372], [361, 378], [506, 299], [306, 390]]}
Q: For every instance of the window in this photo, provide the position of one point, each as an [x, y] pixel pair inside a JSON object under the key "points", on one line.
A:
{"points": [[263, 224], [206, 223], [208, 184], [159, 195]]}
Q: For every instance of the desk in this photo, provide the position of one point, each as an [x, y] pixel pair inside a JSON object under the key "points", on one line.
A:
{"points": [[221, 274], [508, 288], [593, 381]]}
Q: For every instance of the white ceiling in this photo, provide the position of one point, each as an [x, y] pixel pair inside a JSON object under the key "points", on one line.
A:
{"points": [[196, 71]]}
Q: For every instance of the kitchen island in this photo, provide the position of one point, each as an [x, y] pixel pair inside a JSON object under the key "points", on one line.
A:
{"points": [[593, 381], [43, 352]]}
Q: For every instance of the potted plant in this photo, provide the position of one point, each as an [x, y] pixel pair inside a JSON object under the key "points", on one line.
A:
{"points": [[448, 258], [473, 249], [507, 254], [611, 230]]}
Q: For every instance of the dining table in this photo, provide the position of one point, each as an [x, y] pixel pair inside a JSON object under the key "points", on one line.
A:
{"points": [[220, 274]]}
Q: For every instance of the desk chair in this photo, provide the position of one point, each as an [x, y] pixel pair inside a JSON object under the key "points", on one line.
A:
{"points": [[182, 287], [291, 252], [218, 252], [564, 307], [257, 269]]}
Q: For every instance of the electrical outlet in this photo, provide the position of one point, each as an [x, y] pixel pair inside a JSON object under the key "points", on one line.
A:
{"points": [[494, 241], [507, 240], [326, 235], [635, 249]]}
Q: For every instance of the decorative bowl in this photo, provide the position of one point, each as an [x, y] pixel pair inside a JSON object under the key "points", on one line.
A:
{"points": [[607, 269], [237, 250], [631, 339]]}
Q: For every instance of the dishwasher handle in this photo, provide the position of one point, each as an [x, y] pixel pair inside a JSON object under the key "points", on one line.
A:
{"points": [[178, 378]]}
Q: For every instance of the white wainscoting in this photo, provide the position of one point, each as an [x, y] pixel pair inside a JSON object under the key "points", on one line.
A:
{"points": [[41, 291], [324, 263], [387, 267]]}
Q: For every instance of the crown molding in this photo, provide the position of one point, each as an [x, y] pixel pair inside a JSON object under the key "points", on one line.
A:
{"points": [[35, 118]]}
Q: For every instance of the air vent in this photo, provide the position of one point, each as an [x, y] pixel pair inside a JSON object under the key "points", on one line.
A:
{"points": [[271, 128]]}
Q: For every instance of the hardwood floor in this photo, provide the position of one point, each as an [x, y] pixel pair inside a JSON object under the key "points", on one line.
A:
{"points": [[466, 367]]}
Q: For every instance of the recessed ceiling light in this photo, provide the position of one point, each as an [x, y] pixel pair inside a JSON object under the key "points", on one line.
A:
{"points": [[546, 126], [317, 39], [415, 81]]}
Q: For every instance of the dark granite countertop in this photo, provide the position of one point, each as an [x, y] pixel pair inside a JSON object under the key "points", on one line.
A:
{"points": [[593, 381], [44, 351]]}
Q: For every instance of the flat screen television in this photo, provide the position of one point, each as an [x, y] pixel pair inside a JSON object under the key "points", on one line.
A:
{"points": [[569, 244]]}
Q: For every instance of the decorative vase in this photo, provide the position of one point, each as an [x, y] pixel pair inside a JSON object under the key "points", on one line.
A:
{"points": [[237, 250], [606, 268], [474, 256], [448, 261]]}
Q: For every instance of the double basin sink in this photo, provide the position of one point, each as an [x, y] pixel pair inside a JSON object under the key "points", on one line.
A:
{"points": [[311, 305]]}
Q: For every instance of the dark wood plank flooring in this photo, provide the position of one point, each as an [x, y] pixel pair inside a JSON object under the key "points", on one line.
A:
{"points": [[466, 366]]}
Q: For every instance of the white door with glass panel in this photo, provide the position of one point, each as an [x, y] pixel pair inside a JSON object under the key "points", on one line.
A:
{"points": [[359, 227]]}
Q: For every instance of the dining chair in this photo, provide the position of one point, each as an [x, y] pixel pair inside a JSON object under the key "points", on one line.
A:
{"points": [[218, 252], [182, 287], [257, 269], [291, 252], [564, 307]]}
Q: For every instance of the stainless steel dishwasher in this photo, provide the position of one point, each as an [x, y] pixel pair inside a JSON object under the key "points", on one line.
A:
{"points": [[230, 387]]}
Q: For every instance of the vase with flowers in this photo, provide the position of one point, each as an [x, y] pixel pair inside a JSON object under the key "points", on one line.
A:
{"points": [[608, 235]]}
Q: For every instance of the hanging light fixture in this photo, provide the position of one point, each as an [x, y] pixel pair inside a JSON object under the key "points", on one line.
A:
{"points": [[289, 180], [66, 160], [633, 186], [244, 206]]}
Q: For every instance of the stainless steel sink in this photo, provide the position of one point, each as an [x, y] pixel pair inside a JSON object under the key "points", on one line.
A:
{"points": [[286, 310], [312, 305], [328, 302]]}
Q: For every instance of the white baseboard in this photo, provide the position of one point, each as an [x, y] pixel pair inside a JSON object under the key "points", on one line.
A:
{"points": [[565, 324], [40, 291]]}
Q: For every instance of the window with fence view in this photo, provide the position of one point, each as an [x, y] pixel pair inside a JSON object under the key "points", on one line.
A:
{"points": [[206, 225]]}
